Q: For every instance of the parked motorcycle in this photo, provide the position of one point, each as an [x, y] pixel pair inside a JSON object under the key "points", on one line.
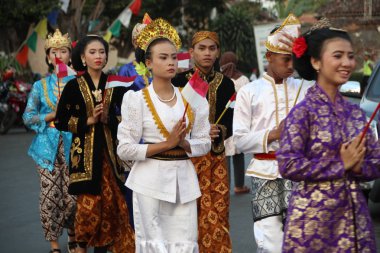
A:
{"points": [[13, 99], [7, 114]]}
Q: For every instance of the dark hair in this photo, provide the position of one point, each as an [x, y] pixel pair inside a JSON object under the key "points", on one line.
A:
{"points": [[50, 65], [142, 55], [315, 41], [80, 48]]}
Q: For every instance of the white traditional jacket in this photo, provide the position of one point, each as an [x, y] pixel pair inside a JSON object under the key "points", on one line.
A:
{"points": [[145, 117], [260, 107]]}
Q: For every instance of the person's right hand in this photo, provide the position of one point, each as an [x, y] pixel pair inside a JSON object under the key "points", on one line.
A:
{"points": [[50, 116], [352, 153], [275, 133], [98, 110], [177, 134]]}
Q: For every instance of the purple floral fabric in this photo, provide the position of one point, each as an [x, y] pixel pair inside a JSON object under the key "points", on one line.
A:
{"points": [[327, 210]]}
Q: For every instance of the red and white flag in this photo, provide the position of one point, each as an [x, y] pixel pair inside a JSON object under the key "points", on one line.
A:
{"points": [[183, 60], [63, 70], [126, 15], [119, 81], [195, 90], [231, 102]]}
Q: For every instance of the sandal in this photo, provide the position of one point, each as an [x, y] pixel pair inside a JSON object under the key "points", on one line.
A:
{"points": [[241, 190], [71, 245]]}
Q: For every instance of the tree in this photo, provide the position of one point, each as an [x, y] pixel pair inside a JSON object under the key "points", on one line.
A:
{"points": [[235, 30], [17, 16]]}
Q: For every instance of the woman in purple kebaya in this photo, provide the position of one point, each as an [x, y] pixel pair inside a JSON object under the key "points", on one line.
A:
{"points": [[322, 151]]}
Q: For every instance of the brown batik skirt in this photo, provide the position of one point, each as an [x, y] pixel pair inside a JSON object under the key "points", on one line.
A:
{"points": [[213, 205], [57, 206], [103, 220]]}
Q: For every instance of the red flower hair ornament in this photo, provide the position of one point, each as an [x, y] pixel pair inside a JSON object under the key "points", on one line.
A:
{"points": [[299, 47]]}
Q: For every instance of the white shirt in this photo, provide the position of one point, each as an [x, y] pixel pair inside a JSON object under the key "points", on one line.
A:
{"points": [[157, 178], [255, 115]]}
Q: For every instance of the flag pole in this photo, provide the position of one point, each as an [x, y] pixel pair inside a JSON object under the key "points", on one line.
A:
{"points": [[232, 99], [222, 114], [369, 123], [184, 113], [298, 93]]}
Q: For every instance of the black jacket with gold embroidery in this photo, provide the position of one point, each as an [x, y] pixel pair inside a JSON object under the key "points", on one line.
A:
{"points": [[90, 144], [221, 88]]}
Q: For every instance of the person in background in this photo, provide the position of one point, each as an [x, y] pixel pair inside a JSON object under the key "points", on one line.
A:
{"points": [[228, 67], [253, 76], [163, 178], [89, 112], [261, 107], [322, 150], [367, 71], [136, 68], [50, 148], [213, 206]]}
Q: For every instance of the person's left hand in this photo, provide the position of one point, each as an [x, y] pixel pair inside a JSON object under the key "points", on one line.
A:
{"points": [[288, 41]]}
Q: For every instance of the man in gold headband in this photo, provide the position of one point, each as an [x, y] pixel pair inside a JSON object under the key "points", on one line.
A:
{"points": [[213, 205]]}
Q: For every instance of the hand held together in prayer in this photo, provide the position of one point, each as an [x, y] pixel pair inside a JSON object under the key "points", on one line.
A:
{"points": [[352, 154]]}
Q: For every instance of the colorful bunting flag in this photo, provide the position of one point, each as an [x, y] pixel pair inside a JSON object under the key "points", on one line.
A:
{"points": [[115, 28], [52, 17], [32, 41], [22, 56], [107, 37], [41, 28]]}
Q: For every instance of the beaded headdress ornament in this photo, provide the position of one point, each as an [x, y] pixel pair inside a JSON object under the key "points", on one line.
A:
{"points": [[324, 23], [139, 27], [57, 40], [158, 28]]}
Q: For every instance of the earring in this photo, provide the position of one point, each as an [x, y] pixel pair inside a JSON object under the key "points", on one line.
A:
{"points": [[84, 63], [317, 70], [49, 61]]}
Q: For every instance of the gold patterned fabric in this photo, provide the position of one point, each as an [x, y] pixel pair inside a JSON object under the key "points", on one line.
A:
{"points": [[327, 210], [202, 35], [103, 220], [213, 205]]}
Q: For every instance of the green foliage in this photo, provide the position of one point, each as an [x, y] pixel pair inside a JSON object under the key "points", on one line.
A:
{"points": [[6, 61], [235, 30], [297, 7], [21, 12]]}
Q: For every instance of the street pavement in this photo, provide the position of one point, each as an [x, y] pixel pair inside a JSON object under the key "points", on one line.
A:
{"points": [[20, 229]]}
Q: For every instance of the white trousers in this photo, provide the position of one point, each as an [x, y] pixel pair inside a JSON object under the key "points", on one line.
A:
{"points": [[269, 234], [164, 227]]}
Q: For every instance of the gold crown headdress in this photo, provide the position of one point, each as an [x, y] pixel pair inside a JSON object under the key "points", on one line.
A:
{"points": [[57, 40], [158, 28], [290, 26]]}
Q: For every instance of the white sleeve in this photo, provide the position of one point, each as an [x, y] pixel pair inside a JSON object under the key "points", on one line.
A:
{"points": [[130, 128], [200, 141], [247, 140]]}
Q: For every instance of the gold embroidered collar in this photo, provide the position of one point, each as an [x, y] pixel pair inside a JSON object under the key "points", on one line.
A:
{"points": [[157, 119], [271, 80]]}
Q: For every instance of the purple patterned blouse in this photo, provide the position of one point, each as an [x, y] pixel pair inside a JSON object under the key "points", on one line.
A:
{"points": [[327, 211]]}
